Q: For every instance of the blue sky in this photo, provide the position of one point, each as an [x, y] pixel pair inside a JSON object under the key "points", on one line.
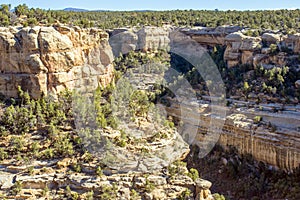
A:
{"points": [[159, 4]]}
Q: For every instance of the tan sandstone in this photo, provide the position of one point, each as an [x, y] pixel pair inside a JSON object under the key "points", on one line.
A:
{"points": [[47, 60]]}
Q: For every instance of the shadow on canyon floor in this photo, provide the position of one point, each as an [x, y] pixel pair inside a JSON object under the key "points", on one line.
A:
{"points": [[241, 177]]}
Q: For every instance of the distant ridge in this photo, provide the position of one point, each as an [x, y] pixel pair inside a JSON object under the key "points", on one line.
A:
{"points": [[85, 10], [75, 9]]}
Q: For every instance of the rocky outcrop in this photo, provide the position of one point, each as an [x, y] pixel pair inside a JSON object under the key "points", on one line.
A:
{"points": [[51, 176], [148, 38], [269, 61], [123, 41], [271, 38], [47, 60], [292, 42], [210, 37], [240, 48], [153, 38], [115, 186]]}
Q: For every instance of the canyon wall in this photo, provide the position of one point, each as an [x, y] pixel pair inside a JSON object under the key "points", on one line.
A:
{"points": [[145, 39], [279, 148], [47, 60], [239, 48]]}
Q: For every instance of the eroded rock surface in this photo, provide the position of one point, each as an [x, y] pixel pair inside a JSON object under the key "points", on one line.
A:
{"points": [[148, 38], [47, 60], [274, 140], [239, 48]]}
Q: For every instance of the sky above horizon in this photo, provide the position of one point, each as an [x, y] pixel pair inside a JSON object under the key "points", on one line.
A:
{"points": [[158, 4]]}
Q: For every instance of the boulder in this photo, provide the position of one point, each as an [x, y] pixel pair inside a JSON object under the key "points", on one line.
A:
{"points": [[239, 41], [271, 38], [50, 40], [292, 42], [202, 190], [297, 83], [6, 180], [240, 48], [235, 37], [202, 184]]}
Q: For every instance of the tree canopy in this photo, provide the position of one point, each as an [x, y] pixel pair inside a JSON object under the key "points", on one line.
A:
{"points": [[284, 20]]}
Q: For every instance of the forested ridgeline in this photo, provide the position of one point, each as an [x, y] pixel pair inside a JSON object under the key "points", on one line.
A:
{"points": [[284, 20]]}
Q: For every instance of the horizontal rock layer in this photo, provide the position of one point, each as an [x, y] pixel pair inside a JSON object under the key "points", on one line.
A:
{"points": [[280, 148]]}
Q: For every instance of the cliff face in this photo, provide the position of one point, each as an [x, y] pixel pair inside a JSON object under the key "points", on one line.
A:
{"points": [[210, 37], [50, 59], [279, 148], [240, 49], [145, 39]]}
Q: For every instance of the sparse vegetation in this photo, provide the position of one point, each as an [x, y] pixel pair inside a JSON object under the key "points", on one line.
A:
{"points": [[44, 129], [17, 187]]}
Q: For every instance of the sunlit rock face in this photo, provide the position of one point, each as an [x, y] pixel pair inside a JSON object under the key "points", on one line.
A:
{"points": [[279, 147], [240, 48], [209, 37], [47, 60], [148, 38]]}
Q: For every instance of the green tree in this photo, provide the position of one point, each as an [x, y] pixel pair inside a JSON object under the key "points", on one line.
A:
{"points": [[21, 10], [139, 103]]}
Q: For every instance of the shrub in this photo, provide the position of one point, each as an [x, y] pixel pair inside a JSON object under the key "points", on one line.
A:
{"points": [[217, 196], [149, 187], [257, 119], [63, 146], [89, 195], [274, 49], [16, 188], [76, 167], [186, 194], [48, 153], [3, 154], [99, 171], [108, 192], [45, 191], [193, 174]]}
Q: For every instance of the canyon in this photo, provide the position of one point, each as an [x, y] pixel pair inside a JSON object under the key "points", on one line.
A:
{"points": [[48, 60]]}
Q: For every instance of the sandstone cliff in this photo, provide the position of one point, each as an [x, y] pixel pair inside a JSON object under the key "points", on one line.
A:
{"points": [[49, 59], [145, 39], [240, 49], [279, 147], [209, 37]]}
